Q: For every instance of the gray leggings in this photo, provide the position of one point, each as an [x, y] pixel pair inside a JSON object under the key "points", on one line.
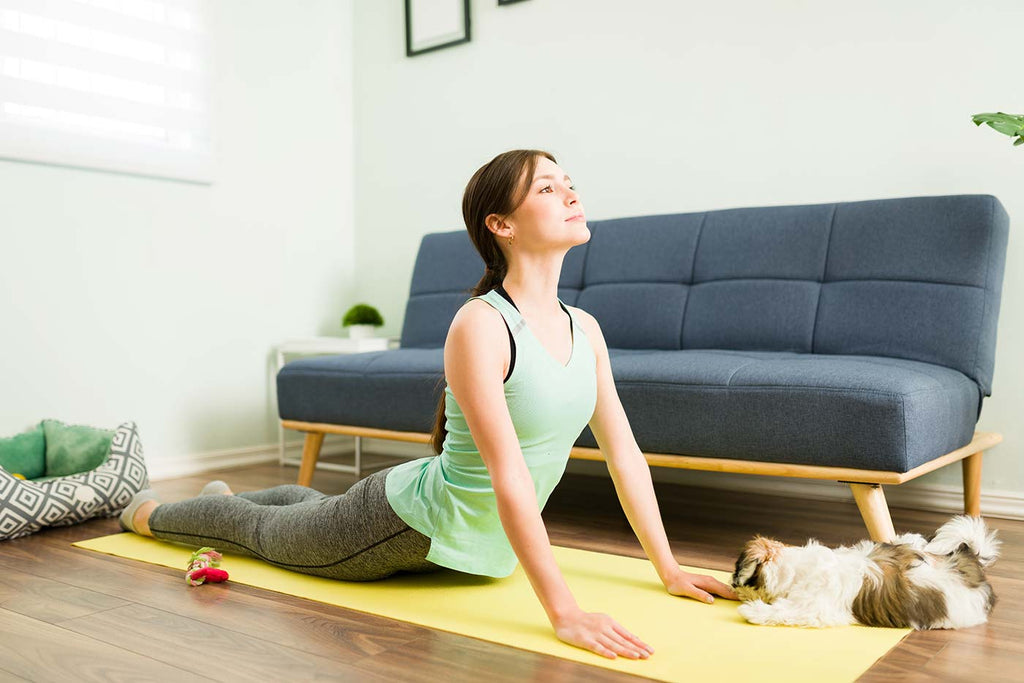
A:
{"points": [[354, 536]]}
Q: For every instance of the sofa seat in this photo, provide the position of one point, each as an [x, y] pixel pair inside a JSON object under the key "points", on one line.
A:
{"points": [[393, 390], [863, 412]]}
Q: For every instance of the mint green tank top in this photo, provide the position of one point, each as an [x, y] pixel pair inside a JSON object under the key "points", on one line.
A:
{"points": [[449, 496]]}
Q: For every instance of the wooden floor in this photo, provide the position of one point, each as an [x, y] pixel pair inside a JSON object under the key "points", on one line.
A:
{"points": [[68, 614]]}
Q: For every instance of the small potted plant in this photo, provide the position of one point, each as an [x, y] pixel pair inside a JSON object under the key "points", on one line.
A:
{"points": [[360, 320], [1007, 124]]}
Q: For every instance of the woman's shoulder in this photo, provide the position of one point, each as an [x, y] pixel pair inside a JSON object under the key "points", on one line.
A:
{"points": [[479, 307], [477, 317], [477, 343]]}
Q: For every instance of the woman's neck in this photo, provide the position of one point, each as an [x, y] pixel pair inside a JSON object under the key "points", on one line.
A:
{"points": [[535, 290]]}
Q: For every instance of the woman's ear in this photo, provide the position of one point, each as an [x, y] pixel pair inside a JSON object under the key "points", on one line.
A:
{"points": [[496, 225]]}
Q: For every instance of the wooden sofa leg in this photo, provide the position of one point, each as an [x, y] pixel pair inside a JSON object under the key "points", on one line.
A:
{"points": [[972, 484], [310, 453], [871, 503]]}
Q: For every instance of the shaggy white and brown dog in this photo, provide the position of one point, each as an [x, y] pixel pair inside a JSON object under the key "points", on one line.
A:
{"points": [[911, 582]]}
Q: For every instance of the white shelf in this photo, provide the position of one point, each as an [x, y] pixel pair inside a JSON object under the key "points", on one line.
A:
{"points": [[326, 345], [319, 346]]}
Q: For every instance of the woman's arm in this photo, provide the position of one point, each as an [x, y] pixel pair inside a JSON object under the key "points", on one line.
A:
{"points": [[475, 355], [632, 478], [524, 527]]}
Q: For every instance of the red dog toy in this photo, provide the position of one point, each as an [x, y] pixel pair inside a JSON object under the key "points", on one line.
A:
{"points": [[203, 567]]}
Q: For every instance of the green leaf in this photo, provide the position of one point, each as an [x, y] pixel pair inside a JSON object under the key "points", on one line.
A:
{"points": [[999, 117], [1007, 124], [1005, 128]]}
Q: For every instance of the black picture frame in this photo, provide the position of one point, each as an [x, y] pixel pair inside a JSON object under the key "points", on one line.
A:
{"points": [[508, 2], [411, 41]]}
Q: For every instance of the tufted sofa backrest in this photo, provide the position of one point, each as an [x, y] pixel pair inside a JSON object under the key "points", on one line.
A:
{"points": [[915, 277]]}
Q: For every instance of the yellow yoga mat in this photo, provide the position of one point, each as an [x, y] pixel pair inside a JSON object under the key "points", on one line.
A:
{"points": [[692, 641]]}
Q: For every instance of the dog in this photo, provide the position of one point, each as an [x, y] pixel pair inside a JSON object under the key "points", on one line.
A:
{"points": [[938, 583]]}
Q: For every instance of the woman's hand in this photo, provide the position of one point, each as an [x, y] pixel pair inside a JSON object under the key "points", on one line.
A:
{"points": [[698, 586], [600, 633]]}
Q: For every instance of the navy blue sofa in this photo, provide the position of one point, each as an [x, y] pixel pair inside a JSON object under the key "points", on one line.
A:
{"points": [[851, 341]]}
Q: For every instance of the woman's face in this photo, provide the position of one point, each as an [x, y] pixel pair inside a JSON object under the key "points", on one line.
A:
{"points": [[551, 215]]}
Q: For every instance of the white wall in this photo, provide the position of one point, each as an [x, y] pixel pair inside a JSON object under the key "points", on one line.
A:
{"points": [[672, 106], [158, 301]]}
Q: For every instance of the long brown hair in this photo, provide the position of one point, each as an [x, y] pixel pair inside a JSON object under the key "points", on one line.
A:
{"points": [[497, 187]]}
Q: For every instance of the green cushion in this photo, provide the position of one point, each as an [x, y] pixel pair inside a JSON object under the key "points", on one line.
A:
{"points": [[71, 449], [24, 453]]}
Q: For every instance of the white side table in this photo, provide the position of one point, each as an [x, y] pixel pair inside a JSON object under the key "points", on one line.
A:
{"points": [[326, 346]]}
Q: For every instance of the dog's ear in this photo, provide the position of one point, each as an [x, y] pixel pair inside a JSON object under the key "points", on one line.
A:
{"points": [[753, 567], [741, 562], [746, 572]]}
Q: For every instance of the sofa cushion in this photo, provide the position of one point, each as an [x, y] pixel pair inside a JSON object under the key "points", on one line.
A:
{"points": [[842, 411]]}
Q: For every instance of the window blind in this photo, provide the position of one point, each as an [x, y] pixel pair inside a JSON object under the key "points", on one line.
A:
{"points": [[120, 85]]}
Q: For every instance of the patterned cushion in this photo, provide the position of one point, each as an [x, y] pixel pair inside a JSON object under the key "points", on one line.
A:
{"points": [[27, 506]]}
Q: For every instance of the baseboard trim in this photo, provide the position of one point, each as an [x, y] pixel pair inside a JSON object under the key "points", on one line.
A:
{"points": [[197, 463], [913, 495]]}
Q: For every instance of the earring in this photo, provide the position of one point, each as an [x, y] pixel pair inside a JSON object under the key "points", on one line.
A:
{"points": [[510, 240]]}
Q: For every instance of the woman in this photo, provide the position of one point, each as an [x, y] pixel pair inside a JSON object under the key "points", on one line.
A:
{"points": [[520, 389]]}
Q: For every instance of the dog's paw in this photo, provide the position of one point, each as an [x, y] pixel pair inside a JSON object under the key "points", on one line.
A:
{"points": [[755, 611]]}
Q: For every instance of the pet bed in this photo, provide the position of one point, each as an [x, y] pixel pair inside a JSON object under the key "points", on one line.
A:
{"points": [[27, 505]]}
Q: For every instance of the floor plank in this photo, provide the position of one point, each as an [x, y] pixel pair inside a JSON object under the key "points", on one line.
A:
{"points": [[38, 651], [48, 600], [165, 636]]}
